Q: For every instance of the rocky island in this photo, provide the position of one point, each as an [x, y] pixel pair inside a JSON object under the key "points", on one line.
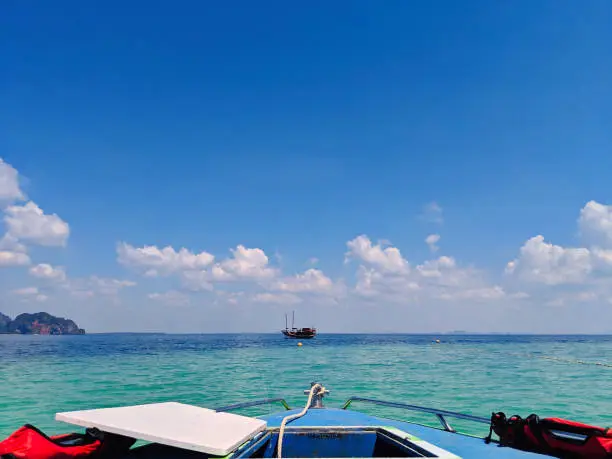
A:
{"points": [[40, 323]]}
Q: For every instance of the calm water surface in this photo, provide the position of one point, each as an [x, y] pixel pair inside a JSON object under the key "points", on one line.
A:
{"points": [[40, 375]]}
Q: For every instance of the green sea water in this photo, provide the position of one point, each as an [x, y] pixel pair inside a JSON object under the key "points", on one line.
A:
{"points": [[41, 375]]}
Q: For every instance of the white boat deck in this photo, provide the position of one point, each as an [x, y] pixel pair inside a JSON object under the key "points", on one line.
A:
{"points": [[174, 424]]}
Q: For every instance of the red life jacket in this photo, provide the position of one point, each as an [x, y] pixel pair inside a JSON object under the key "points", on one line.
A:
{"points": [[30, 443], [552, 436]]}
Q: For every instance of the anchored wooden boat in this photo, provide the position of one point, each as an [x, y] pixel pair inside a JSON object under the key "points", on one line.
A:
{"points": [[302, 333], [179, 431]]}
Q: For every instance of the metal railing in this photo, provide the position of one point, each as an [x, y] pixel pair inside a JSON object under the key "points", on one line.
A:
{"points": [[265, 401], [440, 414]]}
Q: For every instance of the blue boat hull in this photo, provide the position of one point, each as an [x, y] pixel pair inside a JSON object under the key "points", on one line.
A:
{"points": [[462, 446], [328, 443]]}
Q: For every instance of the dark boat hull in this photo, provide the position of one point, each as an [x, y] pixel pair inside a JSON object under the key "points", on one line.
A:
{"points": [[300, 334]]}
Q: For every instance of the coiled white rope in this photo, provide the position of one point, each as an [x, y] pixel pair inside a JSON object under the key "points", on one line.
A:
{"points": [[314, 390]]}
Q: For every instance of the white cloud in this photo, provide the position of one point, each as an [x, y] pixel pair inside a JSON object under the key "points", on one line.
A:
{"points": [[431, 241], [245, 264], [197, 280], [30, 293], [388, 259], [217, 273], [29, 223], [9, 183], [432, 213], [26, 291], [107, 286], [541, 263], [443, 278], [601, 259], [230, 297], [276, 298], [313, 261], [155, 261], [198, 271], [444, 273], [440, 278], [88, 287], [545, 263], [312, 280], [595, 223], [172, 298], [12, 252], [10, 243], [8, 258], [46, 271], [373, 283], [384, 275], [436, 268]]}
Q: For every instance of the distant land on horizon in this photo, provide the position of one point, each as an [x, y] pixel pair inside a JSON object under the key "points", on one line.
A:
{"points": [[40, 323]]}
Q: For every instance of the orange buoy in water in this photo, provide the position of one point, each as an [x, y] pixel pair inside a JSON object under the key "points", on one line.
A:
{"points": [[299, 344]]}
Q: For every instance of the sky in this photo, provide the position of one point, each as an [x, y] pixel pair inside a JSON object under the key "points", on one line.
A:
{"points": [[386, 166]]}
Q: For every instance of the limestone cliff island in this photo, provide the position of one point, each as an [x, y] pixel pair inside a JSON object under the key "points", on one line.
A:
{"points": [[40, 323]]}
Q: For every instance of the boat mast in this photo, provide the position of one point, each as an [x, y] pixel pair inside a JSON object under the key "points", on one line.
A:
{"points": [[286, 325], [293, 320]]}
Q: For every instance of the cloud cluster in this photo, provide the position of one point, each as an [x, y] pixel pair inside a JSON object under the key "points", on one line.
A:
{"points": [[541, 262], [312, 280], [545, 263], [570, 274], [13, 258], [30, 293], [27, 225], [595, 224], [247, 267], [9, 183], [375, 271], [389, 277], [387, 259], [154, 261], [87, 287], [243, 264], [384, 275], [48, 272]]}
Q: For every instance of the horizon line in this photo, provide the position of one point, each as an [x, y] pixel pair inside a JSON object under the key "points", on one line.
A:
{"points": [[360, 333]]}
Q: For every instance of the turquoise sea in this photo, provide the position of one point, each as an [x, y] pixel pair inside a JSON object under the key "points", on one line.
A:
{"points": [[548, 375]]}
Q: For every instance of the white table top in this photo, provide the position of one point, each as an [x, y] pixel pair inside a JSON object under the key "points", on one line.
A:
{"points": [[173, 424]]}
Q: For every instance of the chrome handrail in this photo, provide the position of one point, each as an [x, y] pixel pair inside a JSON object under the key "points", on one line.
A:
{"points": [[265, 401], [440, 414]]}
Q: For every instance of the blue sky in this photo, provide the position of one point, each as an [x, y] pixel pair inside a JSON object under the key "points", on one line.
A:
{"points": [[295, 129]]}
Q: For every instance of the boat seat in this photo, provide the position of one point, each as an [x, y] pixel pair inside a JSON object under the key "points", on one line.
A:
{"points": [[173, 424]]}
